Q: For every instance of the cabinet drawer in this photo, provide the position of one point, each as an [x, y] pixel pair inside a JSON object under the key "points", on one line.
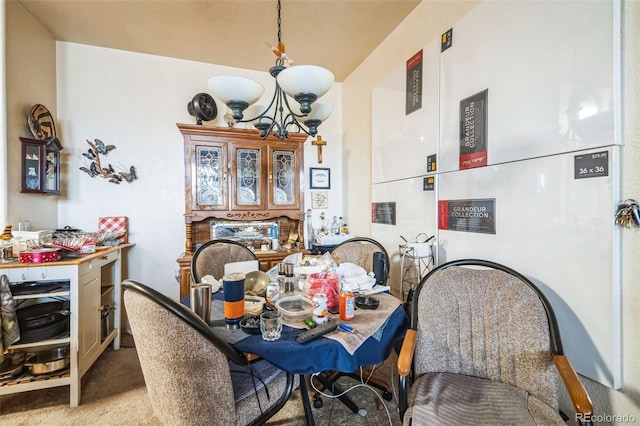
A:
{"points": [[98, 261], [36, 273]]}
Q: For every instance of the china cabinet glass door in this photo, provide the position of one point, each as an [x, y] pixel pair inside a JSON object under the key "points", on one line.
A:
{"points": [[209, 176], [284, 184], [248, 183], [41, 166]]}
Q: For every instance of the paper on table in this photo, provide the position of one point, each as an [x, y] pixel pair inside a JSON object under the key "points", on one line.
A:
{"points": [[365, 323], [243, 266]]}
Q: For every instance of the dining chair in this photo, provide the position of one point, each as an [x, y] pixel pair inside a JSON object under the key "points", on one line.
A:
{"points": [[362, 252], [484, 348], [193, 377], [210, 258]]}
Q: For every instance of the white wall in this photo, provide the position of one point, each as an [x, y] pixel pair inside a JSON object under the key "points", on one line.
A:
{"points": [[421, 27], [134, 101], [29, 81]]}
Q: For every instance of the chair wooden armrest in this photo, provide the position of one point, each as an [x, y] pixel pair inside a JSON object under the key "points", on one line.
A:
{"points": [[405, 359], [251, 357], [577, 392]]}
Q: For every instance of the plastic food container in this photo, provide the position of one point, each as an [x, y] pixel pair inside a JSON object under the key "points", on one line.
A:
{"points": [[294, 308], [253, 305]]}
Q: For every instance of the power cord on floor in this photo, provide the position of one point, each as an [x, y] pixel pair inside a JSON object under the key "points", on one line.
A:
{"points": [[362, 384]]}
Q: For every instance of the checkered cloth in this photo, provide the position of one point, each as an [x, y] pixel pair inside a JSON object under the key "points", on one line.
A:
{"points": [[114, 224]]}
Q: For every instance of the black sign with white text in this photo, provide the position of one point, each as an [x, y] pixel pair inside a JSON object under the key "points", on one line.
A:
{"points": [[414, 84], [384, 213], [473, 131], [591, 165], [468, 215], [428, 183], [447, 40]]}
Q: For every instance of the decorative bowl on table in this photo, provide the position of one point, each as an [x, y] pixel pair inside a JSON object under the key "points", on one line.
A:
{"points": [[250, 325], [255, 283], [367, 302]]}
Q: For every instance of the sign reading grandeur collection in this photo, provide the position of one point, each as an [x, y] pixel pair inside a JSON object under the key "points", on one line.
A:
{"points": [[414, 84], [468, 215], [473, 131], [384, 213]]}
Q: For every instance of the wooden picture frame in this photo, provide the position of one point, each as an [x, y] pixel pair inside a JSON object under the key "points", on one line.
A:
{"points": [[319, 178]]}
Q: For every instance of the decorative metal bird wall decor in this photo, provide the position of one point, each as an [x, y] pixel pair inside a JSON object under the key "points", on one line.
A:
{"points": [[95, 168]]}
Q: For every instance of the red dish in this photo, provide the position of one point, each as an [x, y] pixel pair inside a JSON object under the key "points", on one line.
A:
{"points": [[40, 255]]}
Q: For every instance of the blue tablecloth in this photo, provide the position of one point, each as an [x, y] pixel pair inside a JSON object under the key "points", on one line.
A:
{"points": [[324, 354]]}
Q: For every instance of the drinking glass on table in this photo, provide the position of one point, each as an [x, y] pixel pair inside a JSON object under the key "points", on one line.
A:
{"points": [[271, 325]]}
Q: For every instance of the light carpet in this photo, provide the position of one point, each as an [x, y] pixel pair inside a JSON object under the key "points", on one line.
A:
{"points": [[114, 393]]}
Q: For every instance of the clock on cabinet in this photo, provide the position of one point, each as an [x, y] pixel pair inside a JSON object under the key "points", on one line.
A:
{"points": [[41, 166]]}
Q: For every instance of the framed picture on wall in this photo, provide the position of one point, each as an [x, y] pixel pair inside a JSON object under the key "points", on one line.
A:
{"points": [[319, 178], [319, 199]]}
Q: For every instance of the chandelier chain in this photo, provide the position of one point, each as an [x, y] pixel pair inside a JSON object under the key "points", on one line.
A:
{"points": [[279, 23]]}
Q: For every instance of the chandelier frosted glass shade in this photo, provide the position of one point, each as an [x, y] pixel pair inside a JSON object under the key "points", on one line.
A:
{"points": [[320, 111], [305, 84], [236, 92]]}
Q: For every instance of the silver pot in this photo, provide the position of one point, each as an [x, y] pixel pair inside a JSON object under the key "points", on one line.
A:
{"points": [[48, 361]]}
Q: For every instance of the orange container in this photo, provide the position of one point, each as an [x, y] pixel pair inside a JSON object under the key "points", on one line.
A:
{"points": [[347, 306]]}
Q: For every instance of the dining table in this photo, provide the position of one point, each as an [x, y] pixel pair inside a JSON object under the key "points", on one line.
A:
{"points": [[374, 333]]}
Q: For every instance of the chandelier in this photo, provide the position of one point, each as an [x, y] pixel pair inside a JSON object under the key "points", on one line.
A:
{"points": [[294, 104]]}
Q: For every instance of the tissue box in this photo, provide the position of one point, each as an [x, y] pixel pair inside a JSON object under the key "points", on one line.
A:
{"points": [[114, 224], [331, 240], [33, 235]]}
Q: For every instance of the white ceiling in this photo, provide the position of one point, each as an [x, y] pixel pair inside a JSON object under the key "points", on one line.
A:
{"points": [[337, 34]]}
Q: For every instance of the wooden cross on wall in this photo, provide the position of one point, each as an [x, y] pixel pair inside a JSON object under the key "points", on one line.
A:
{"points": [[319, 143]]}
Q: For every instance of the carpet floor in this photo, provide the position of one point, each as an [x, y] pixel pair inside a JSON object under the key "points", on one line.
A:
{"points": [[114, 393]]}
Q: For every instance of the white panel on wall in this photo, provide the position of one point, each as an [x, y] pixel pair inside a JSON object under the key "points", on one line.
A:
{"points": [[559, 232], [415, 214], [401, 143], [549, 71]]}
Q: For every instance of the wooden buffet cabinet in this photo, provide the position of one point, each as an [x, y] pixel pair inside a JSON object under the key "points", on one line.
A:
{"points": [[233, 175]]}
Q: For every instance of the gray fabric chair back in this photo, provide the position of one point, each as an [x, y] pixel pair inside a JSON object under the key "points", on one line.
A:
{"points": [[211, 257], [359, 251], [485, 323], [187, 378]]}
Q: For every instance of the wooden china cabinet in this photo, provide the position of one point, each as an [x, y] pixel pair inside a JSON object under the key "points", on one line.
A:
{"points": [[232, 175]]}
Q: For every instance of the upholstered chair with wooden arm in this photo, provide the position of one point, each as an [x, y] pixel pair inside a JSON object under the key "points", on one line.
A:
{"points": [[484, 348], [193, 377]]}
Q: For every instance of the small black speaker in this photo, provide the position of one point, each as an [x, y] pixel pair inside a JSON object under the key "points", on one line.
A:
{"points": [[380, 268]]}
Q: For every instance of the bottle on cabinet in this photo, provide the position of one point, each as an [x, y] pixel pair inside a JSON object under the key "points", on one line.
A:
{"points": [[335, 226], [310, 233], [324, 225]]}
